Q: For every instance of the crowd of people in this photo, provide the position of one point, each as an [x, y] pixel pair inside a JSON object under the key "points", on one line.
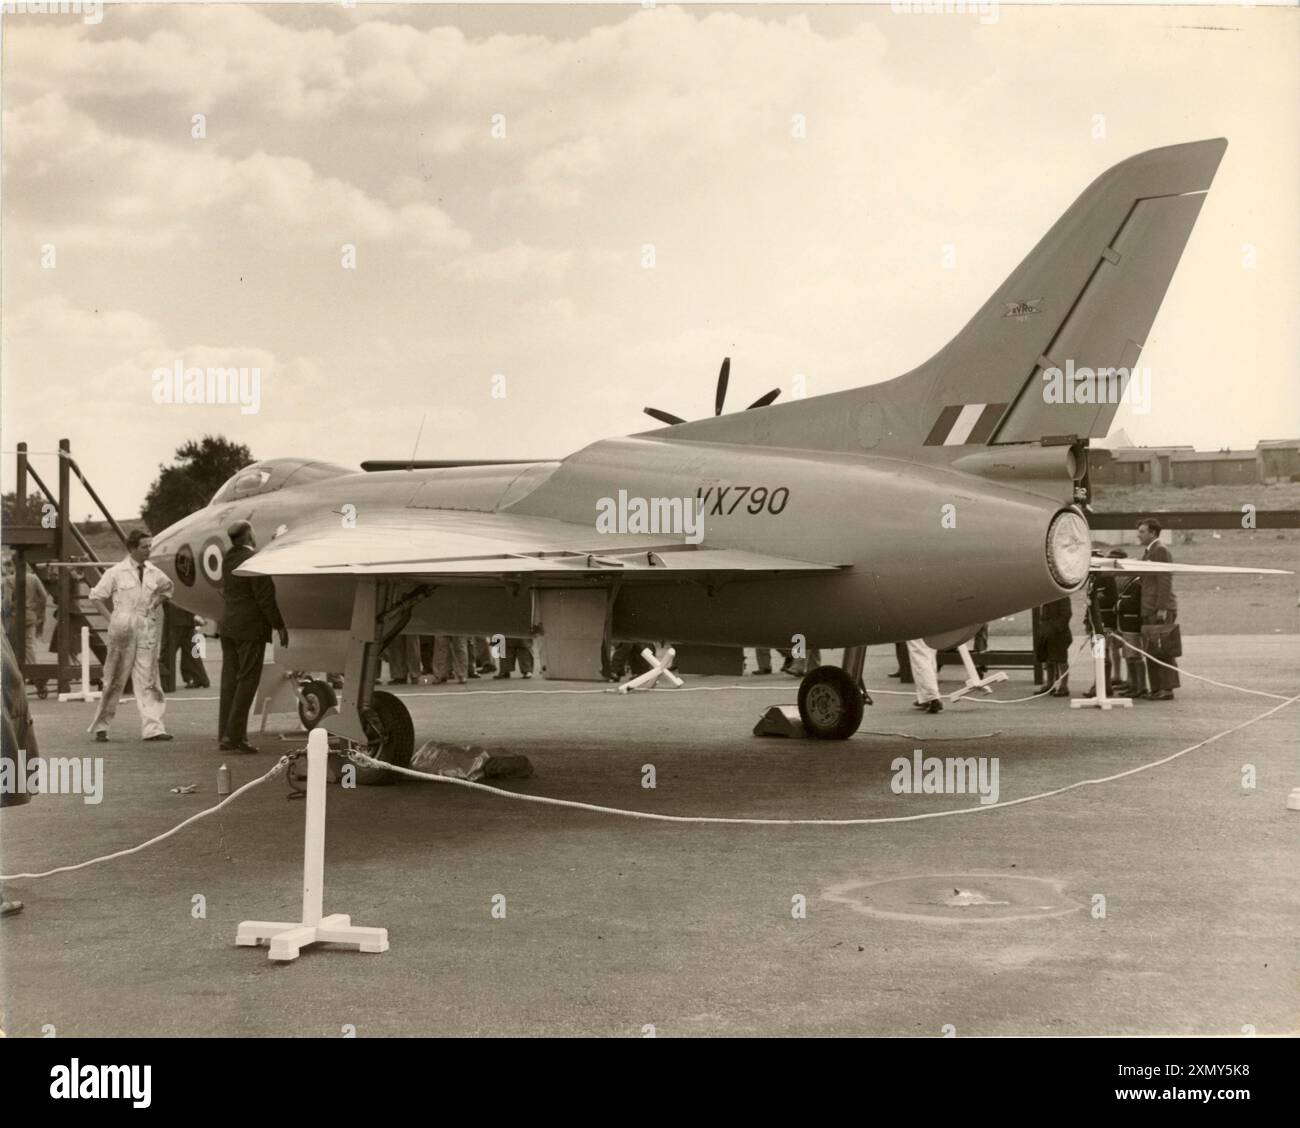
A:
{"points": [[436, 659]]}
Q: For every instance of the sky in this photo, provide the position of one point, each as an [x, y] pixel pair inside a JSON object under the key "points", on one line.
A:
{"points": [[561, 215]]}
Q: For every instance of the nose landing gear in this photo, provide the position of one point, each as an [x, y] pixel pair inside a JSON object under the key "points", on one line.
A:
{"points": [[366, 718]]}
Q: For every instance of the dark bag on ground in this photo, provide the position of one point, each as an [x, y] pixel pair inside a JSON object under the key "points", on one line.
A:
{"points": [[1162, 640]]}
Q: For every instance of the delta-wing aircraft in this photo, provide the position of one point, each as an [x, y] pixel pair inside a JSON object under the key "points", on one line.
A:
{"points": [[914, 508]]}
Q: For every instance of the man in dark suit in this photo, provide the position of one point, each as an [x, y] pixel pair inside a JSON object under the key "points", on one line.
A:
{"points": [[251, 615], [1159, 605]]}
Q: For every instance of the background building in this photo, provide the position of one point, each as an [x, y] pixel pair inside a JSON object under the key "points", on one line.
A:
{"points": [[1275, 460]]}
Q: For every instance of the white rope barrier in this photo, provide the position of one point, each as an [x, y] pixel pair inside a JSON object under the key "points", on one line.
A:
{"points": [[595, 808], [279, 766], [1196, 677], [572, 804]]}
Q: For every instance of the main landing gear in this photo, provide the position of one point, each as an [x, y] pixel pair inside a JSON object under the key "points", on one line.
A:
{"points": [[371, 720], [832, 698]]}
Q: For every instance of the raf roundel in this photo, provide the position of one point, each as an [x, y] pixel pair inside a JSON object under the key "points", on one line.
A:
{"points": [[212, 559], [185, 565]]}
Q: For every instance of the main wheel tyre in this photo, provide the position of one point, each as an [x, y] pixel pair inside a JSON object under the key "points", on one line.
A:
{"points": [[392, 737], [317, 698], [830, 704]]}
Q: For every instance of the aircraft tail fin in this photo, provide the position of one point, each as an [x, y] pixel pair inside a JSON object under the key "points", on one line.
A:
{"points": [[1083, 299]]}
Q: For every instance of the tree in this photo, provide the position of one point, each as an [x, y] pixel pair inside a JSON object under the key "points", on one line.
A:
{"points": [[200, 470], [12, 514]]}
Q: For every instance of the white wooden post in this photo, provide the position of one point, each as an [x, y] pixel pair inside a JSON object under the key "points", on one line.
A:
{"points": [[313, 849], [86, 694], [288, 939], [973, 679], [1099, 700]]}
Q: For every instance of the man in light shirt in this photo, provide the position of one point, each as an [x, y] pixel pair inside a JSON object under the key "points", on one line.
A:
{"points": [[130, 596]]}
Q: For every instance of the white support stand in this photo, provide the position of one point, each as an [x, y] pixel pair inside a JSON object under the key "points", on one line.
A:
{"points": [[86, 694], [277, 694], [658, 669], [973, 679], [1100, 701], [288, 939]]}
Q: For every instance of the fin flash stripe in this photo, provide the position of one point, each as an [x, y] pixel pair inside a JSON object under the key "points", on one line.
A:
{"points": [[962, 424]]}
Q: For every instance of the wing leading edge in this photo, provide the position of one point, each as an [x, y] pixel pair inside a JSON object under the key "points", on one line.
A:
{"points": [[463, 546]]}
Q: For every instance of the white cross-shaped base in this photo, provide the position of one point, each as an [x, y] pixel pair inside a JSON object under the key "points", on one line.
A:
{"points": [[658, 669]]}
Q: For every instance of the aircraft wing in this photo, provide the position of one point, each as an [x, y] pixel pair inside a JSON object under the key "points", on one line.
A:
{"points": [[451, 545], [1122, 566]]}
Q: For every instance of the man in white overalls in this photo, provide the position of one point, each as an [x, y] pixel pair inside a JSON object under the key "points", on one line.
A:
{"points": [[130, 596]]}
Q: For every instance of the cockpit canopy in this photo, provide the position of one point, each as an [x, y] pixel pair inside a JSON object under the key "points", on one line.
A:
{"points": [[275, 474]]}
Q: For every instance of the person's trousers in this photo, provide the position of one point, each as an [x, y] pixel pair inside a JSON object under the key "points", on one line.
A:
{"points": [[404, 657], [763, 656], [131, 657], [1135, 665], [192, 668], [241, 670], [925, 670], [904, 663], [800, 666], [1115, 660], [518, 650], [1161, 677], [450, 655]]}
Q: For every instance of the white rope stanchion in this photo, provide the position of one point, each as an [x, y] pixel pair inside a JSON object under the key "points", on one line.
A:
{"points": [[658, 669], [1099, 700], [973, 679], [288, 939], [86, 693]]}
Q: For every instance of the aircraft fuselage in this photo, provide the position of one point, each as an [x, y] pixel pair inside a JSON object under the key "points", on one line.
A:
{"points": [[923, 548]]}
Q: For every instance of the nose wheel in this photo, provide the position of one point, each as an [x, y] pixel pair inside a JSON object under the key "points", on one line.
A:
{"points": [[315, 698], [831, 704], [390, 732]]}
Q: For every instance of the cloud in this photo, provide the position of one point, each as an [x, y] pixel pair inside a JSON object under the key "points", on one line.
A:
{"points": [[88, 374], [77, 184], [510, 263]]}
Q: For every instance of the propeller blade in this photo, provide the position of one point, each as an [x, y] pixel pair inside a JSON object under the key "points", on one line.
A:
{"points": [[763, 401], [723, 373], [663, 416]]}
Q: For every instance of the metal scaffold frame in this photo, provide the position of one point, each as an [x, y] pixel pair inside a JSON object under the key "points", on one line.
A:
{"points": [[59, 545]]}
